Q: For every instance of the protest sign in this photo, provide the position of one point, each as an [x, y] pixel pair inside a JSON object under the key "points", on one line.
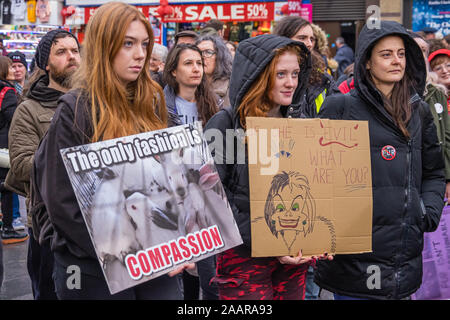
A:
{"points": [[436, 262], [151, 202], [317, 195]]}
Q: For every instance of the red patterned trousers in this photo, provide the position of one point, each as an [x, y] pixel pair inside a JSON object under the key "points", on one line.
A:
{"points": [[240, 277]]}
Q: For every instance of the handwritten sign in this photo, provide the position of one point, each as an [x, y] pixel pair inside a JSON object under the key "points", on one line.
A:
{"points": [[436, 262], [319, 196]]}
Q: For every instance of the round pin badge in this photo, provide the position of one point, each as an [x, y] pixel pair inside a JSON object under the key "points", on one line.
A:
{"points": [[439, 108], [388, 152]]}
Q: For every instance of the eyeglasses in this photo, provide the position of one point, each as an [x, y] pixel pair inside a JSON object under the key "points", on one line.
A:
{"points": [[208, 53], [441, 68]]}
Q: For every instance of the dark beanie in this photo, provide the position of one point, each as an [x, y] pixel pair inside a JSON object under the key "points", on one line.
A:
{"points": [[18, 56], [45, 44]]}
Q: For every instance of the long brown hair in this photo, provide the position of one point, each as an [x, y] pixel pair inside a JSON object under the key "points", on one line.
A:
{"points": [[257, 102], [204, 96], [5, 63], [398, 104], [117, 110]]}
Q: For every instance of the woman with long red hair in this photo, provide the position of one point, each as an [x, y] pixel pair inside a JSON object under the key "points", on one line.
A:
{"points": [[271, 84], [113, 96]]}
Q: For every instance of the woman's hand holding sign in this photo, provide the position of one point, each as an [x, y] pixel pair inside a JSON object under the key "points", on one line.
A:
{"points": [[301, 260], [188, 266]]}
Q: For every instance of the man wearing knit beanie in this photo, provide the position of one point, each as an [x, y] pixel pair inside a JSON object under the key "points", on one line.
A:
{"points": [[20, 69], [57, 58], [58, 53]]}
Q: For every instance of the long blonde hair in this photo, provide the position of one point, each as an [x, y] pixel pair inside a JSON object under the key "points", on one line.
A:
{"points": [[116, 110]]}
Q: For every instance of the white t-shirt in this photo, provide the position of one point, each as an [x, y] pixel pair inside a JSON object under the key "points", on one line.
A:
{"points": [[18, 9], [187, 111]]}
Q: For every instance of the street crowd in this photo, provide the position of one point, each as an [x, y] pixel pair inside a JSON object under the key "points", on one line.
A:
{"points": [[119, 82]]}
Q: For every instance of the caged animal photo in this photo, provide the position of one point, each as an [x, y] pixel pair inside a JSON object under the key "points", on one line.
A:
{"points": [[130, 207]]}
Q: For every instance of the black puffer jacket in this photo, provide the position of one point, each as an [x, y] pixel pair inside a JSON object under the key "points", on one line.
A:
{"points": [[61, 219], [252, 57], [408, 190], [313, 92]]}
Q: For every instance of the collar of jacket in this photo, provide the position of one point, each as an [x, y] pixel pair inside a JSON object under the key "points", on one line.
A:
{"points": [[169, 95], [41, 92]]}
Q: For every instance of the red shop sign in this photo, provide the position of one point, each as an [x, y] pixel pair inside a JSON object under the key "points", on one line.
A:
{"points": [[89, 11], [295, 7], [258, 11]]}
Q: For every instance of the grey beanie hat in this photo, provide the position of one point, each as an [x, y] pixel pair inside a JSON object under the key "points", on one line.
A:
{"points": [[45, 45]]}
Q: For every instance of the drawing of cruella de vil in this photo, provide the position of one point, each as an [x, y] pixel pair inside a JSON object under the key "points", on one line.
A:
{"points": [[290, 209]]}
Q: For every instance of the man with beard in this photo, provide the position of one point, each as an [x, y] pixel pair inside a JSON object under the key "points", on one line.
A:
{"points": [[57, 58]]}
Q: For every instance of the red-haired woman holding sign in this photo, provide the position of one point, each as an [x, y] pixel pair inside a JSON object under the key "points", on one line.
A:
{"points": [[269, 76]]}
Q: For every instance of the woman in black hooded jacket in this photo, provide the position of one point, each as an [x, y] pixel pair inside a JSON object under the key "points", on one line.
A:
{"points": [[407, 167]]}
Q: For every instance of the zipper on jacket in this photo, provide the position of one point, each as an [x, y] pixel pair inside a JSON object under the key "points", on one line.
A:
{"points": [[403, 239], [403, 224]]}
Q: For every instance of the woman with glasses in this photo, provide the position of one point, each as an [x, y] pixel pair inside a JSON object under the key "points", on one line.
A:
{"points": [[440, 64], [218, 63]]}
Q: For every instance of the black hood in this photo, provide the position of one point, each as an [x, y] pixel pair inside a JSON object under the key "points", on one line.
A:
{"points": [[253, 55], [415, 63], [40, 91]]}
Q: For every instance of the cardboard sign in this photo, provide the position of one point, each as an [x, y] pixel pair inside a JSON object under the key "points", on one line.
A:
{"points": [[310, 186], [151, 202], [436, 262]]}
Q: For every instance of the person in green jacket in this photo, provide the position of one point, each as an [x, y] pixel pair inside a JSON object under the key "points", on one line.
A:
{"points": [[436, 98]]}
